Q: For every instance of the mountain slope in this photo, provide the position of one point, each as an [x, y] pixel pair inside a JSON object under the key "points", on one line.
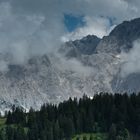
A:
{"points": [[85, 66]]}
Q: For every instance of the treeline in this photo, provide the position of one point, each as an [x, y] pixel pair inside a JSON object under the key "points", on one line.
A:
{"points": [[118, 115]]}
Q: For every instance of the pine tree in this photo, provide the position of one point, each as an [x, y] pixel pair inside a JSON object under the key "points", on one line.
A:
{"points": [[84, 138], [91, 137], [56, 131], [112, 132], [31, 118], [9, 119], [77, 138]]}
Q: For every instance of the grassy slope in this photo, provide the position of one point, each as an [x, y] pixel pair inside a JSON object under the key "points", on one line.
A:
{"points": [[2, 122], [97, 136], [3, 125]]}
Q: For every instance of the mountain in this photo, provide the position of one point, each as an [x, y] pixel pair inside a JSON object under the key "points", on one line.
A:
{"points": [[85, 46], [87, 66]]}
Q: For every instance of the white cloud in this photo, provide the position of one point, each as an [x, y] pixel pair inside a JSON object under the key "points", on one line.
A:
{"points": [[131, 60], [75, 66], [3, 66], [23, 36]]}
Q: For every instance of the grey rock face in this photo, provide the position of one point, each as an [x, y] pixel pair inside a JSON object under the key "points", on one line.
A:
{"points": [[85, 46], [121, 39], [128, 84]]}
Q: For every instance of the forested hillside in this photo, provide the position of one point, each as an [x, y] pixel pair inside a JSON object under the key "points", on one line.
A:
{"points": [[114, 117]]}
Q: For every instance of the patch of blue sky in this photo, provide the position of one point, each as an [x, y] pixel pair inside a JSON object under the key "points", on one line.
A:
{"points": [[73, 22]]}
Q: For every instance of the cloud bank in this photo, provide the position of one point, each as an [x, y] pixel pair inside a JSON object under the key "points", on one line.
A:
{"points": [[131, 60], [36, 27]]}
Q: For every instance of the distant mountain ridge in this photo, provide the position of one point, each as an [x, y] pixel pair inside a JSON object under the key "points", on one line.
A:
{"points": [[121, 38], [85, 46]]}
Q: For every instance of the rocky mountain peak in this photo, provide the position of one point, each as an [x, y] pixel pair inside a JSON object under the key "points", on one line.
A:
{"points": [[121, 38], [128, 30], [84, 46]]}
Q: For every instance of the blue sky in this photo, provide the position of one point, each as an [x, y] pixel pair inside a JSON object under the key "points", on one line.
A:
{"points": [[73, 22]]}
